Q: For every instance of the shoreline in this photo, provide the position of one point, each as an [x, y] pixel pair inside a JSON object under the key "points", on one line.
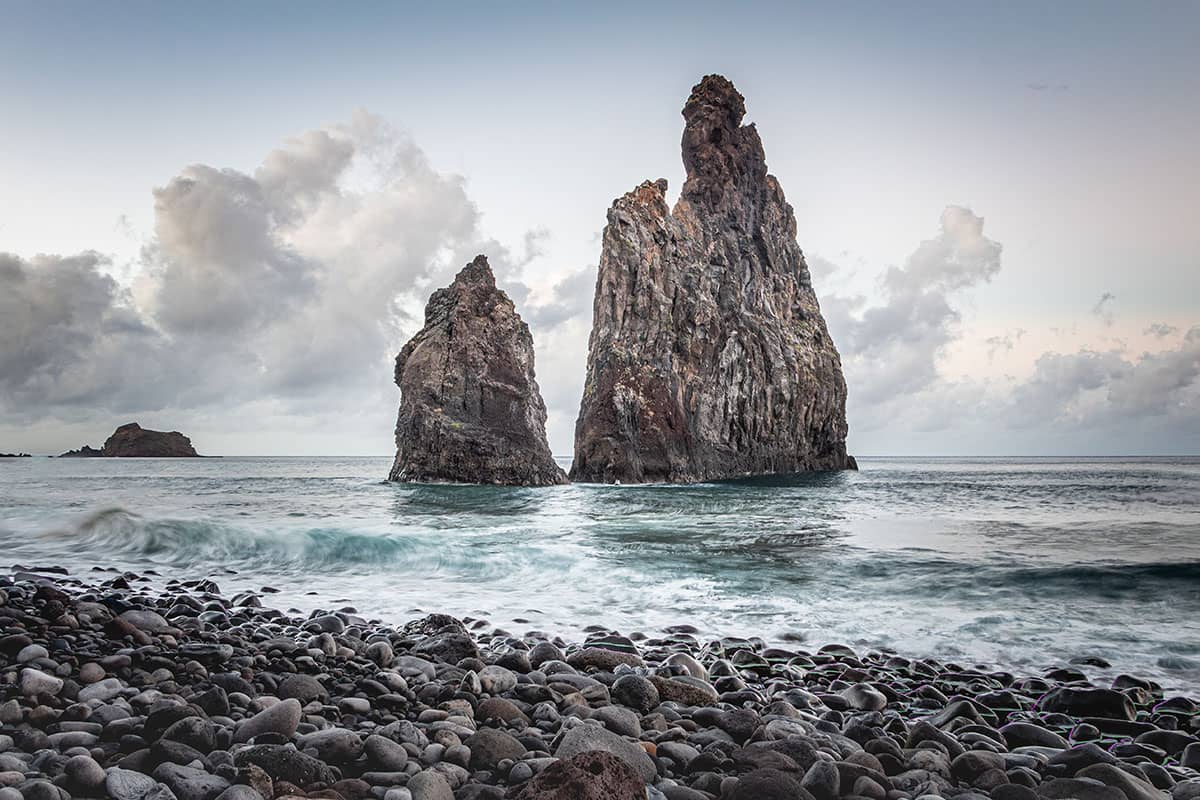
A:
{"points": [[122, 690]]}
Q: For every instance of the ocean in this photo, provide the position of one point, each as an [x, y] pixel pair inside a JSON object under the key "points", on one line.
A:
{"points": [[1018, 564]]}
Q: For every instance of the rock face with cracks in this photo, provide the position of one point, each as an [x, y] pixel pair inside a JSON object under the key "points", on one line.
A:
{"points": [[709, 357], [470, 408]]}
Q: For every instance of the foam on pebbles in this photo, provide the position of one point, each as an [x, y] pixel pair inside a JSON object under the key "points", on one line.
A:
{"points": [[181, 693]]}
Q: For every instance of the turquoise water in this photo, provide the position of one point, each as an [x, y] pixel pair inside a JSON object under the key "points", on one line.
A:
{"points": [[1020, 564]]}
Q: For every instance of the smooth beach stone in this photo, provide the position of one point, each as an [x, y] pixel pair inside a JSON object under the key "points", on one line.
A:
{"points": [[146, 620], [865, 697], [1080, 756], [973, 763], [302, 688], [1023, 734], [187, 783], [429, 785], [685, 690], [603, 658], [85, 772], [91, 672], [332, 745], [490, 746], [282, 718], [1191, 756], [635, 692], [822, 780], [124, 784], [768, 784], [1111, 775], [32, 652], [384, 753], [240, 792], [499, 708], [619, 720], [35, 682], [693, 667], [1172, 742], [1079, 702]]}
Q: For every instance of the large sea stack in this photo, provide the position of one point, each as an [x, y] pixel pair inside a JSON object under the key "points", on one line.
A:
{"points": [[470, 408], [708, 357]]}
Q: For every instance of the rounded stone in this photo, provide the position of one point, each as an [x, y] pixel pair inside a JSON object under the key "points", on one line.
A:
{"points": [[635, 692], [429, 785], [282, 718]]}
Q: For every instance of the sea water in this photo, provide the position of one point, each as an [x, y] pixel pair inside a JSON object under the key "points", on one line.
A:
{"points": [[1020, 564]]}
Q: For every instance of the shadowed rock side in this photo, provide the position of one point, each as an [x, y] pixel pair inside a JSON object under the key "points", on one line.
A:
{"points": [[470, 408], [134, 441], [708, 356]]}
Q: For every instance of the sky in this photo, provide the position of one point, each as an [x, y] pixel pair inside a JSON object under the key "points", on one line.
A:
{"points": [[225, 218]]}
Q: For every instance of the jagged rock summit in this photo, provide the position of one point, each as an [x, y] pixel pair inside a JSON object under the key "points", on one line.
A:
{"points": [[709, 357], [470, 408], [134, 441]]}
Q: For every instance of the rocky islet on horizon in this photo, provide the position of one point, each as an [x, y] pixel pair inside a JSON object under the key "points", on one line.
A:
{"points": [[470, 407], [133, 441], [708, 357], [112, 688]]}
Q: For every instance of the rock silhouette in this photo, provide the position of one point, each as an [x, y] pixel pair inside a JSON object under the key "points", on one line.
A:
{"points": [[709, 357], [470, 408]]}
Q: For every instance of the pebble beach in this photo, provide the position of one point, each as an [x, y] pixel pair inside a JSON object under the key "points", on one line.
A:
{"points": [[112, 687]]}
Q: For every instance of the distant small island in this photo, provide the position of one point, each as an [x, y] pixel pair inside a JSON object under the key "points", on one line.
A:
{"points": [[134, 441], [15, 455]]}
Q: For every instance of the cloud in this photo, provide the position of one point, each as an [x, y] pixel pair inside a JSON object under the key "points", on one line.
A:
{"points": [[71, 336], [570, 298], [1103, 309], [1096, 389], [891, 348], [293, 285], [1160, 330]]}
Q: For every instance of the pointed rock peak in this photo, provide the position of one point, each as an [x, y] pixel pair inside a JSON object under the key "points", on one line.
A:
{"points": [[715, 102], [718, 151], [708, 357], [476, 273]]}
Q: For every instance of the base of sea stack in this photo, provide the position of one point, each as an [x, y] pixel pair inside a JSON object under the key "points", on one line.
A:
{"points": [[183, 694], [609, 465]]}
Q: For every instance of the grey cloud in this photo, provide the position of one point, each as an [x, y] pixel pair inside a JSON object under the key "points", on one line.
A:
{"points": [[998, 343], [891, 348], [290, 288], [72, 339], [1091, 388], [1161, 330], [571, 298], [1103, 309]]}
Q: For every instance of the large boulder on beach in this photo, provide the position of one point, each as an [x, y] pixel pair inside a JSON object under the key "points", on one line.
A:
{"points": [[585, 738], [470, 407], [591, 775], [709, 357]]}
